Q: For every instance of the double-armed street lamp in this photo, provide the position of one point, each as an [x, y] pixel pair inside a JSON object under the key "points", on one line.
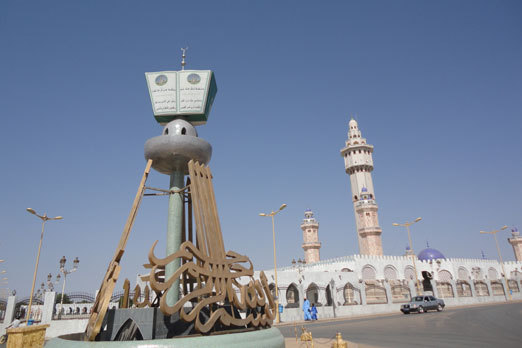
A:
{"points": [[65, 272], [494, 233], [272, 214], [44, 219], [407, 225]]}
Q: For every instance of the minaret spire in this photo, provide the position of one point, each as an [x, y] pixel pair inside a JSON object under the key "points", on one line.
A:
{"points": [[358, 163]]}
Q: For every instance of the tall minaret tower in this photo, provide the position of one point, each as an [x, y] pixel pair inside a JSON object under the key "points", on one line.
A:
{"points": [[516, 242], [359, 165], [311, 244]]}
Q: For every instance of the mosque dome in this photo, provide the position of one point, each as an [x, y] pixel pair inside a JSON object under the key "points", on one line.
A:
{"points": [[430, 254]]}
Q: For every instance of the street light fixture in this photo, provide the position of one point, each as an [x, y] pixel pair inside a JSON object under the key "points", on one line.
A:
{"points": [[272, 214], [407, 225], [44, 219], [65, 272], [494, 233]]}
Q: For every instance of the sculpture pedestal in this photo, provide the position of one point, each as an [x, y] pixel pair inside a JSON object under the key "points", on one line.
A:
{"points": [[32, 336], [266, 338]]}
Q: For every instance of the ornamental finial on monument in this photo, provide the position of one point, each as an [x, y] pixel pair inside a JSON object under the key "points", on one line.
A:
{"points": [[183, 56]]}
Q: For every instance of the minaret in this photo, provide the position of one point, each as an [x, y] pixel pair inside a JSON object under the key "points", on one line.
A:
{"points": [[516, 242], [359, 165], [311, 244]]}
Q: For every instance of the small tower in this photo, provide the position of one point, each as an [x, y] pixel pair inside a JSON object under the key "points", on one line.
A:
{"points": [[408, 251], [516, 242], [311, 244], [358, 163]]}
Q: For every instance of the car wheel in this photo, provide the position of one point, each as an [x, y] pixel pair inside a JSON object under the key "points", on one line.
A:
{"points": [[406, 312], [421, 310], [439, 308]]}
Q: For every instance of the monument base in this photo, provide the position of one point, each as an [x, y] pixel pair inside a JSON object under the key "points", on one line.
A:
{"points": [[264, 338]]}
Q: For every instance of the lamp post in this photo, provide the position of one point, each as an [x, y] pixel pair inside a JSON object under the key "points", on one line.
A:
{"points": [[65, 272], [407, 225], [50, 283], [272, 214], [494, 233], [44, 219]]}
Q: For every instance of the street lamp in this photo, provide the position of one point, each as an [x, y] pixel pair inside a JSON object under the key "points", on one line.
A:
{"points": [[272, 214], [65, 272], [44, 219], [407, 225], [50, 283], [494, 233]]}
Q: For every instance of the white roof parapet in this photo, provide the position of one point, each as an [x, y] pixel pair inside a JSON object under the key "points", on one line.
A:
{"points": [[319, 263]]}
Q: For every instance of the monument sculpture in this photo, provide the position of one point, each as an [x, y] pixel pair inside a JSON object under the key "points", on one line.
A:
{"points": [[193, 292]]}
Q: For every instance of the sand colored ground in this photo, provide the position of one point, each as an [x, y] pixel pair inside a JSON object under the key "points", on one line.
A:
{"points": [[320, 343]]}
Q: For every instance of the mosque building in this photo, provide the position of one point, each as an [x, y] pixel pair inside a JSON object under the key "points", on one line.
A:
{"points": [[371, 282]]}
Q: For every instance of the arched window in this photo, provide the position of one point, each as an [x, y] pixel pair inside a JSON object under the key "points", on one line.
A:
{"points": [[390, 273], [463, 288], [352, 295], [272, 289], [400, 292], [497, 288], [368, 273], [312, 294], [513, 286], [481, 288], [409, 273], [445, 276], [445, 289], [328, 293], [292, 296], [492, 274], [463, 274], [476, 273], [375, 293]]}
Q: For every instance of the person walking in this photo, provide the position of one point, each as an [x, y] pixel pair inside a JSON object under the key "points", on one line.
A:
{"points": [[306, 310], [313, 312]]}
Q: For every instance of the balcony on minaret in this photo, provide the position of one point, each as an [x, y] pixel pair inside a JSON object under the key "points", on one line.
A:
{"points": [[311, 245]]}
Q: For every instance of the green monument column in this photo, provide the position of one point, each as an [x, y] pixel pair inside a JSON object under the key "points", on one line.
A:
{"points": [[174, 232]]}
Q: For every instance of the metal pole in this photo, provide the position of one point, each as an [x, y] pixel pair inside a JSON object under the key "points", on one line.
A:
{"points": [[419, 292], [174, 233], [63, 291], [35, 271], [503, 270], [275, 273]]}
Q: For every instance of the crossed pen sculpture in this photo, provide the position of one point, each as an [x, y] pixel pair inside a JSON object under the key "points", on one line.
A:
{"points": [[214, 276]]}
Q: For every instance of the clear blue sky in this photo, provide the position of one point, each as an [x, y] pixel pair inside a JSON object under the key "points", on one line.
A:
{"points": [[436, 87]]}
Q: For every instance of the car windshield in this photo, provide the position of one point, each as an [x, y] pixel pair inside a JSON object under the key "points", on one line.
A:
{"points": [[418, 298]]}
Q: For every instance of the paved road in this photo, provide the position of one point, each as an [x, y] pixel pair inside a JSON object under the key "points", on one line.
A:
{"points": [[498, 325]]}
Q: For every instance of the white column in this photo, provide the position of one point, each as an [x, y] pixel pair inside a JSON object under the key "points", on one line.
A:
{"points": [[48, 307]]}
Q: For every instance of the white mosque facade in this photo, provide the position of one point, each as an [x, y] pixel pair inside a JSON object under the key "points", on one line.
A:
{"points": [[374, 283]]}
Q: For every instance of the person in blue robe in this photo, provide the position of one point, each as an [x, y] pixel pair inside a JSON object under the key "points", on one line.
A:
{"points": [[313, 312], [306, 310]]}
